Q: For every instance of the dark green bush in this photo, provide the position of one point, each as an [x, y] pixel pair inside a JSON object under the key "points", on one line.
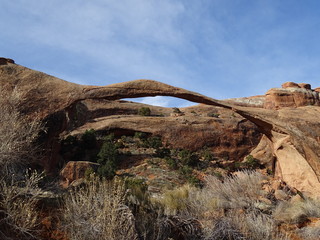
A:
{"points": [[172, 163], [186, 170], [140, 135], [107, 158], [251, 162], [207, 155], [88, 139], [162, 152], [144, 111], [188, 158], [152, 142]]}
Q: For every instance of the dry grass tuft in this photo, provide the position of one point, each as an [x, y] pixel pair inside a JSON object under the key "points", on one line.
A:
{"points": [[18, 207], [177, 201], [239, 191], [296, 212], [17, 134], [97, 211]]}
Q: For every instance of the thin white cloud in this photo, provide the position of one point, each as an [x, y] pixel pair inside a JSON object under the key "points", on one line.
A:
{"points": [[220, 48]]}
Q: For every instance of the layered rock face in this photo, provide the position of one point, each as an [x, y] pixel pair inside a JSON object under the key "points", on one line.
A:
{"points": [[291, 95], [69, 108], [289, 119]]}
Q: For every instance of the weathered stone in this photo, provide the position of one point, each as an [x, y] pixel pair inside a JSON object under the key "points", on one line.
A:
{"points": [[290, 85], [293, 132], [305, 85], [75, 170], [277, 98]]}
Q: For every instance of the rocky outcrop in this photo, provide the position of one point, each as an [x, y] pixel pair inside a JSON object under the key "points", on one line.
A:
{"points": [[264, 153], [75, 170], [290, 85], [5, 61], [227, 134], [254, 101], [291, 95], [293, 132], [294, 135]]}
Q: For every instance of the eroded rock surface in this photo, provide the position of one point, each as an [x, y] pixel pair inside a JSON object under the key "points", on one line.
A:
{"points": [[291, 95], [290, 119]]}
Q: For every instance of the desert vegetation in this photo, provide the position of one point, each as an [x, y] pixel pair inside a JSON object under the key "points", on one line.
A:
{"points": [[238, 203], [19, 186]]}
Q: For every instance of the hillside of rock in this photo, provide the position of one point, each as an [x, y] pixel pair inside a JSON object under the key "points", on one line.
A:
{"points": [[289, 119]]}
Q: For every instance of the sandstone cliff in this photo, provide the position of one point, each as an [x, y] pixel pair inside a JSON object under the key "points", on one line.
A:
{"points": [[289, 118]]}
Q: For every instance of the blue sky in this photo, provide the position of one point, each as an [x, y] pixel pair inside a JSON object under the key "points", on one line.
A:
{"points": [[220, 48]]}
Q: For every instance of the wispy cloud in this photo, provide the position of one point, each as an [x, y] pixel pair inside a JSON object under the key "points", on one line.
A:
{"points": [[219, 48]]}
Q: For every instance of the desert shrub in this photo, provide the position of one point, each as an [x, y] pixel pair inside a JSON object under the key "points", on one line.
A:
{"points": [[162, 152], [188, 158], [152, 142], [194, 181], [257, 225], [107, 158], [88, 139], [17, 134], [138, 190], [144, 111], [224, 229], [177, 227], [176, 201], [251, 162], [140, 135], [310, 232], [215, 115], [97, 211], [207, 155], [172, 163], [237, 191], [18, 206], [296, 211], [185, 170]]}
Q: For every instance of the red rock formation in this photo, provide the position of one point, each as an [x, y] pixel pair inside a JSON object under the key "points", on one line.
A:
{"points": [[293, 132], [291, 95], [290, 85], [75, 170]]}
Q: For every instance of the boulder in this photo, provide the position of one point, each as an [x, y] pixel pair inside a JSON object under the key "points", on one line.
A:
{"points": [[264, 153], [5, 61], [290, 85], [75, 170]]}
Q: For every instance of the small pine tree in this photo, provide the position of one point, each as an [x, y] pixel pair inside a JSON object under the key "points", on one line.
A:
{"points": [[107, 158]]}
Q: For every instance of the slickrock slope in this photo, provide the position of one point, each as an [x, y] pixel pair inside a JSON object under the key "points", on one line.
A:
{"points": [[71, 107], [293, 132], [294, 136]]}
